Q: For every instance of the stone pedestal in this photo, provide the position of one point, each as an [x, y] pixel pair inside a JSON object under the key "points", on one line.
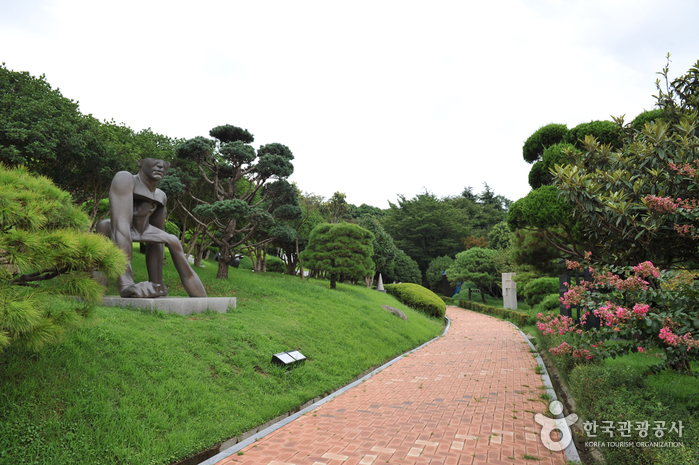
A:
{"points": [[509, 291], [179, 305]]}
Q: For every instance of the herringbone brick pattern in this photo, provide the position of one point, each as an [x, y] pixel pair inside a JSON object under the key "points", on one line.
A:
{"points": [[467, 398]]}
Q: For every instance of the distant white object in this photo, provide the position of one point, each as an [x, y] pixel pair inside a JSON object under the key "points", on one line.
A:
{"points": [[509, 291], [190, 259], [379, 285]]}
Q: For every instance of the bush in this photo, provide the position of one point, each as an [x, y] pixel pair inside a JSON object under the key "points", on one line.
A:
{"points": [[640, 121], [605, 132], [551, 303], [418, 297], [537, 289], [275, 264], [543, 138], [433, 275], [521, 318]]}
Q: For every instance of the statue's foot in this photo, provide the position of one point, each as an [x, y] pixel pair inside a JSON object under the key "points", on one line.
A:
{"points": [[144, 290]]}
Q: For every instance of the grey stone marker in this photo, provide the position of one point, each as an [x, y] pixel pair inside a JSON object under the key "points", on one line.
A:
{"points": [[379, 285], [179, 305], [509, 291]]}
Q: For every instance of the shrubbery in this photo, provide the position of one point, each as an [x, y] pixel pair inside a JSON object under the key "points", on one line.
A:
{"points": [[520, 317], [418, 297], [275, 264], [551, 303], [535, 291]]}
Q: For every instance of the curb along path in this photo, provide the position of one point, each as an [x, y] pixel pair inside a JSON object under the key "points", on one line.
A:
{"points": [[466, 398]]}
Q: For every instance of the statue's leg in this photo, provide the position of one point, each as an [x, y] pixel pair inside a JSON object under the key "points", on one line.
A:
{"points": [[154, 264], [190, 280]]}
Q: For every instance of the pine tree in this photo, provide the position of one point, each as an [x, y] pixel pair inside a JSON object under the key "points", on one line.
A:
{"points": [[46, 260], [343, 250]]}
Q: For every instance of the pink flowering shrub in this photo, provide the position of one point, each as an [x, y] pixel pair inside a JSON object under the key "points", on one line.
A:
{"points": [[638, 308]]}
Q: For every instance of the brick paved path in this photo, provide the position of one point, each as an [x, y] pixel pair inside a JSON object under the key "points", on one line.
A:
{"points": [[466, 398]]}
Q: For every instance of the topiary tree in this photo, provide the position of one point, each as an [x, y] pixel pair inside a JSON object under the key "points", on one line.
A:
{"points": [[606, 132], [343, 250], [46, 252], [433, 276], [242, 200], [543, 138], [536, 289], [475, 265], [649, 116], [540, 174], [405, 270]]}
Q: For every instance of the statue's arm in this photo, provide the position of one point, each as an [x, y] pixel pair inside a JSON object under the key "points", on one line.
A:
{"points": [[121, 209]]}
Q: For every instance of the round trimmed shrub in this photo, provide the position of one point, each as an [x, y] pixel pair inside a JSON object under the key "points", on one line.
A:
{"points": [[551, 303], [419, 298], [543, 138], [275, 264], [537, 289], [605, 132]]}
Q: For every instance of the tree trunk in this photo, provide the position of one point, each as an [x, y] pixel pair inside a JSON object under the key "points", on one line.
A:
{"points": [[369, 280], [224, 262], [333, 281], [299, 258], [482, 289]]}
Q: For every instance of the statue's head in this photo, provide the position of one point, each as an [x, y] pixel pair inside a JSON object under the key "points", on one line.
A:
{"points": [[154, 168]]}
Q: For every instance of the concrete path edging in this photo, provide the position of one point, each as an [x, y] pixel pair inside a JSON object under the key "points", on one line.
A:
{"points": [[571, 451]]}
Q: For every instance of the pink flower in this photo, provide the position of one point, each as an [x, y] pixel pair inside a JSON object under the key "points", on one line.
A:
{"points": [[640, 349], [640, 309]]}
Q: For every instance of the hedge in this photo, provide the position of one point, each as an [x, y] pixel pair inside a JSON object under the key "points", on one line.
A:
{"points": [[418, 297], [520, 317]]}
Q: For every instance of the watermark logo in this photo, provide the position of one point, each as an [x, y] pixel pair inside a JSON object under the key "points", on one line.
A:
{"points": [[548, 425]]}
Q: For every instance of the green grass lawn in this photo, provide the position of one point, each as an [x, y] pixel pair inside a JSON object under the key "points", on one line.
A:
{"points": [[133, 387]]}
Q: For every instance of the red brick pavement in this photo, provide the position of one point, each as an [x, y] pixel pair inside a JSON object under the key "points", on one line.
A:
{"points": [[466, 398]]}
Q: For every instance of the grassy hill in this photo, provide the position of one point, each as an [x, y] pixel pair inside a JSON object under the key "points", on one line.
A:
{"points": [[133, 387]]}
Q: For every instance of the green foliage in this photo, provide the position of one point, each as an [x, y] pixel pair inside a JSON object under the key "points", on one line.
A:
{"points": [[244, 203], [543, 138], [419, 298], [550, 303], [532, 251], [519, 318], [46, 132], [540, 174], [605, 132], [544, 211], [475, 265], [427, 227], [500, 236], [433, 276], [343, 250], [536, 289], [404, 270], [46, 252], [384, 249], [617, 193], [275, 264], [640, 121], [625, 393]]}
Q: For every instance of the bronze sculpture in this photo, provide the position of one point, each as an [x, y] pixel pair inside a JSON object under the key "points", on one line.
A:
{"points": [[137, 214]]}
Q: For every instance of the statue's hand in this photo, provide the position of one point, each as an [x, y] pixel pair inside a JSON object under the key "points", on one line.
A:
{"points": [[144, 290]]}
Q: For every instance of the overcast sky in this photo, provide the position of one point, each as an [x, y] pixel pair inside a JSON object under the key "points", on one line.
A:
{"points": [[374, 98]]}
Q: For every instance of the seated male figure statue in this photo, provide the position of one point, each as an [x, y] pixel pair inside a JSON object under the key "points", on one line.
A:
{"points": [[137, 209]]}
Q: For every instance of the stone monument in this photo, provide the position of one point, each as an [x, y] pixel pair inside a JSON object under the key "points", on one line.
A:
{"points": [[509, 291]]}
